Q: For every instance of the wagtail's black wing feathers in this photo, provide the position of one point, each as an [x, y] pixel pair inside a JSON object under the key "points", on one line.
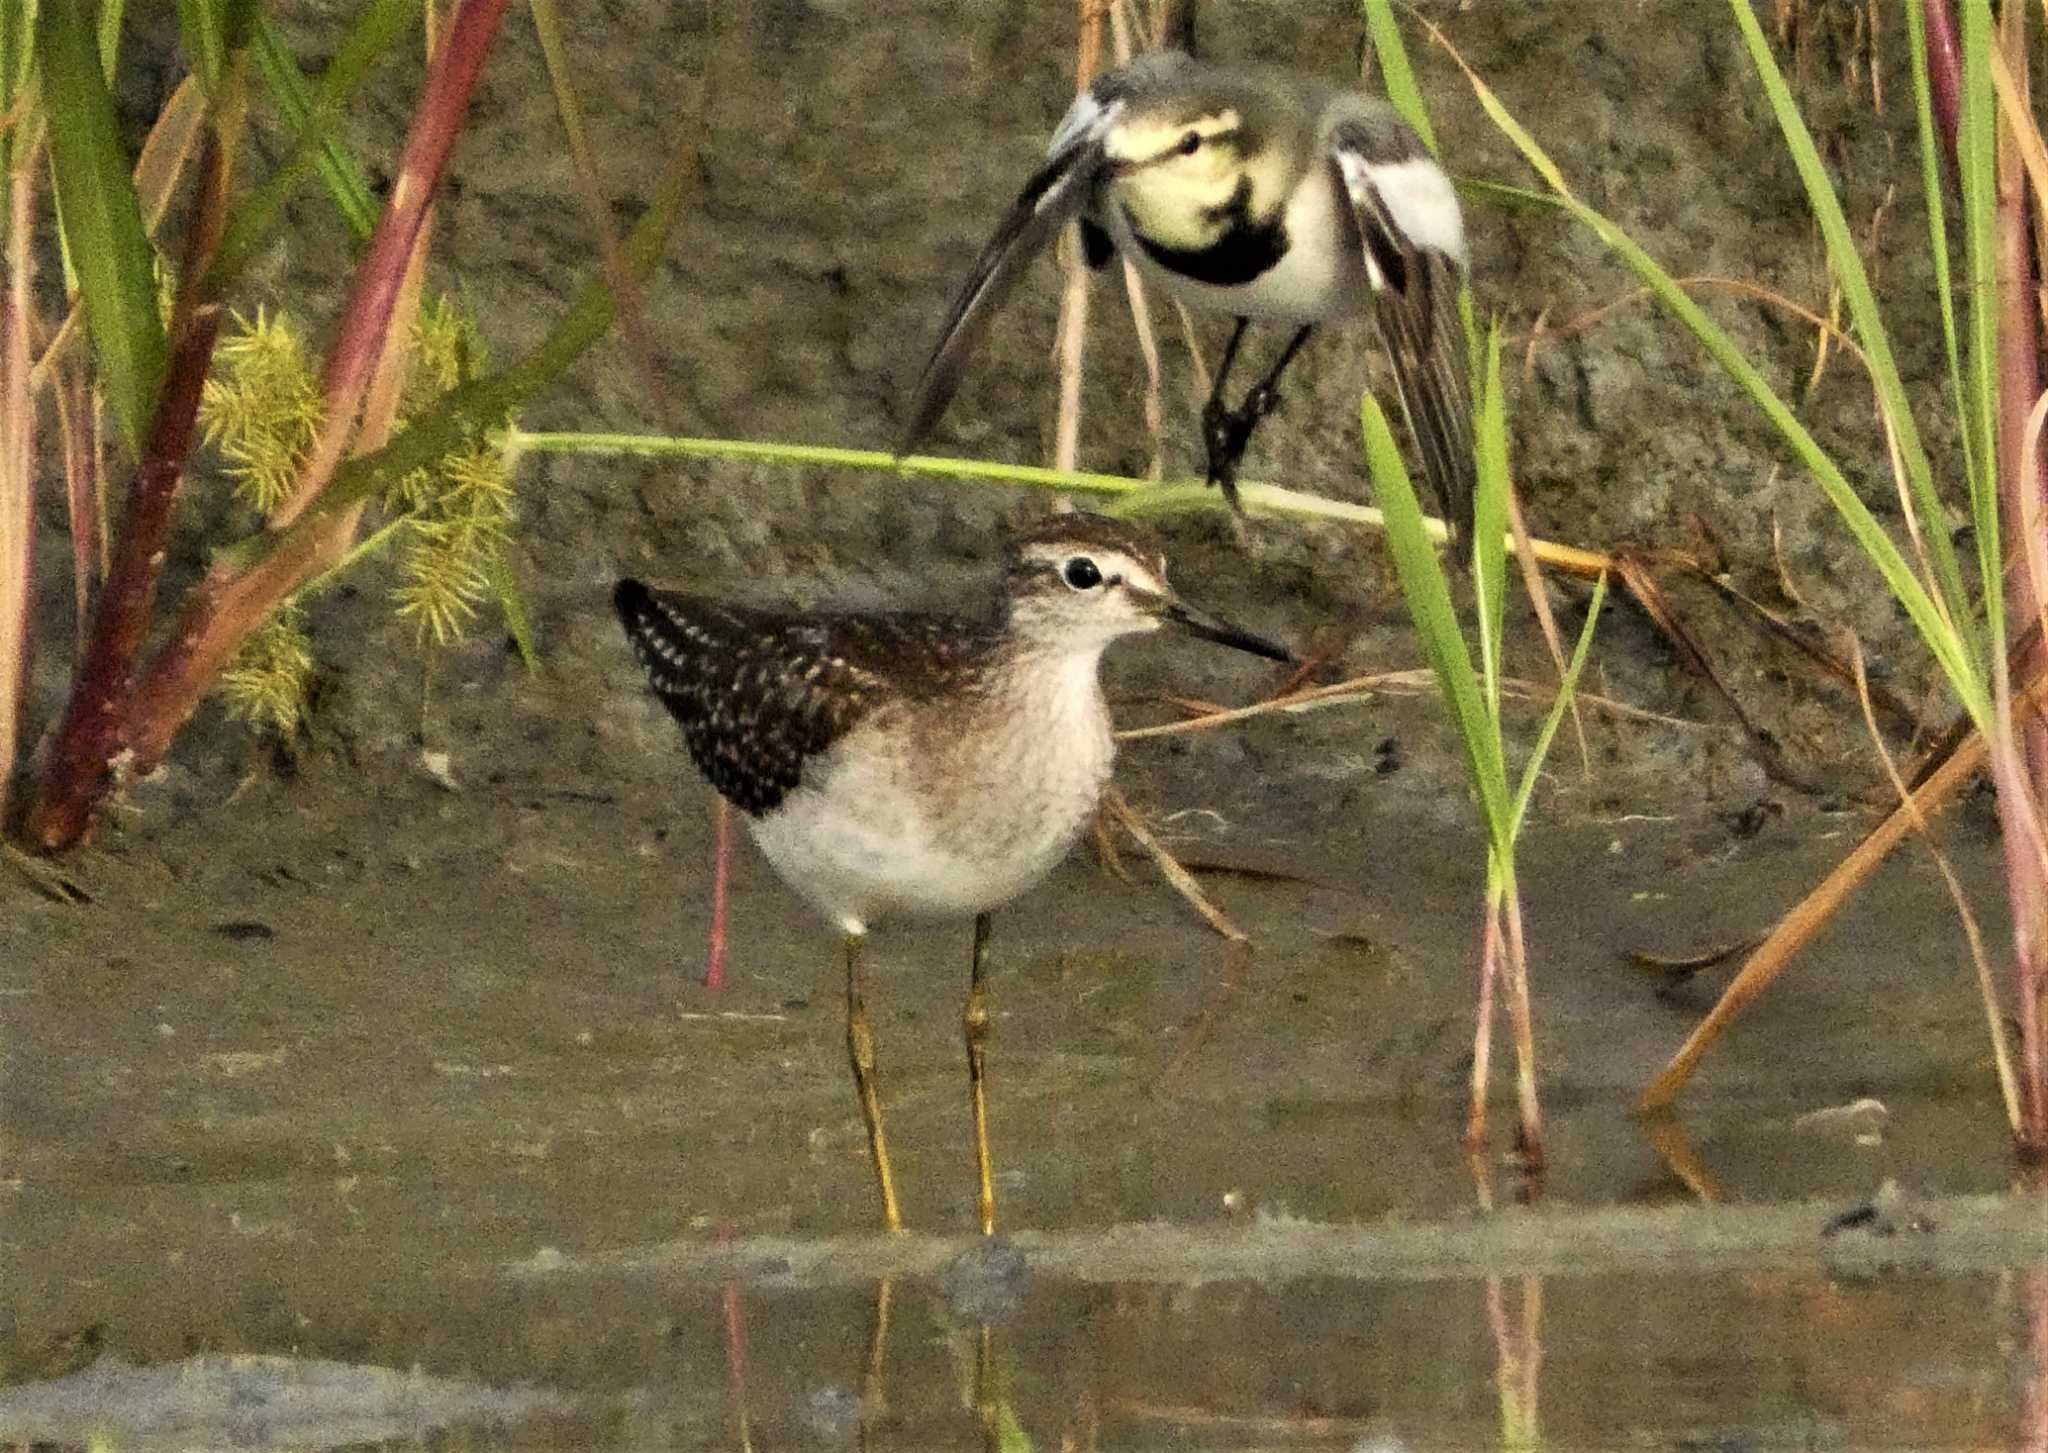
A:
{"points": [[1054, 196], [1415, 302]]}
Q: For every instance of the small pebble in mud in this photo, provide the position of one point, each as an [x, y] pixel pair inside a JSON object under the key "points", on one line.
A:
{"points": [[986, 1282], [832, 1411], [245, 930]]}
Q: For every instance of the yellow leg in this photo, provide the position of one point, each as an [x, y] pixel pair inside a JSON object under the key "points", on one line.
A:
{"points": [[873, 1402], [860, 1049], [975, 1021], [988, 1394]]}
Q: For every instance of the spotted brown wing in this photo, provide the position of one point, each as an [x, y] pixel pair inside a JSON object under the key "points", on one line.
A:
{"points": [[758, 694]]}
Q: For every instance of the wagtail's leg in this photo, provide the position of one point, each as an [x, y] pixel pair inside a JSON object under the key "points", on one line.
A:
{"points": [[1228, 431]]}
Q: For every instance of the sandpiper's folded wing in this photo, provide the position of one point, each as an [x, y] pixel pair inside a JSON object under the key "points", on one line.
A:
{"points": [[759, 693], [756, 694]]}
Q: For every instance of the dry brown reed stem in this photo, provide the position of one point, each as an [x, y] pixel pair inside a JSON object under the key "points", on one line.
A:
{"points": [[1154, 404], [17, 460], [1634, 573], [1805, 918], [1070, 338], [1901, 711], [89, 736], [1237, 954], [1118, 807], [1539, 601], [1675, 1148], [2001, 1054], [1418, 681], [1701, 282]]}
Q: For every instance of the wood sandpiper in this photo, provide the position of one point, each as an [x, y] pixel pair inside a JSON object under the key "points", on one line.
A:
{"points": [[917, 765]]}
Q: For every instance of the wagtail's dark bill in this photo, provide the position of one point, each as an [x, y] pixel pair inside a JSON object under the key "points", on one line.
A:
{"points": [[1260, 195]]}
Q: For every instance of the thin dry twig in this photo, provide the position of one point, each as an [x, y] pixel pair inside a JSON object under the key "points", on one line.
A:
{"points": [[1932, 793], [1070, 338], [1119, 808]]}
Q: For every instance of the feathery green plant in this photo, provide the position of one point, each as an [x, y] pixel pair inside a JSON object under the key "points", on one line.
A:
{"points": [[261, 409], [268, 682]]}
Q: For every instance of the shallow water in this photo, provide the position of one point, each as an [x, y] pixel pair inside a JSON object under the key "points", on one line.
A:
{"points": [[494, 1153]]}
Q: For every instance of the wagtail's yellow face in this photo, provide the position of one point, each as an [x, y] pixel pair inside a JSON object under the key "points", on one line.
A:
{"points": [[1186, 179]]}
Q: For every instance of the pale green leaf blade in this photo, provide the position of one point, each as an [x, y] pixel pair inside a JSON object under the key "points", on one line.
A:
{"points": [[101, 217]]}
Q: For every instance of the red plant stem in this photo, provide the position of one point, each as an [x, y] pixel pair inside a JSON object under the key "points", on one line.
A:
{"points": [[1944, 75], [89, 739], [251, 577], [2020, 500], [735, 1313], [1522, 1018], [721, 891], [17, 456], [1490, 947], [366, 317]]}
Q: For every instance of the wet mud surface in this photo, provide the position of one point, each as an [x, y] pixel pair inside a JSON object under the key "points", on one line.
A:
{"points": [[416, 1081]]}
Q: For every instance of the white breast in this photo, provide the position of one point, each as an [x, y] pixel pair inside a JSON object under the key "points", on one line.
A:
{"points": [[924, 815]]}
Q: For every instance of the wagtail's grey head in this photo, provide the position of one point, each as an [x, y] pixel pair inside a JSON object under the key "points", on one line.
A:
{"points": [[1079, 581]]}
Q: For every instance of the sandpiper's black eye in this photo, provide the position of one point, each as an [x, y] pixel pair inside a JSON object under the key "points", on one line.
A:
{"points": [[1082, 573], [1191, 143]]}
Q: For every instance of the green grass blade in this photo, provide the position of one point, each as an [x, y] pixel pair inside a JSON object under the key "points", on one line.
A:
{"points": [[1396, 75], [101, 217], [1870, 330], [1436, 621], [1490, 521], [111, 15], [1935, 197], [1977, 163], [1565, 687], [310, 112], [1954, 653], [17, 56], [211, 31]]}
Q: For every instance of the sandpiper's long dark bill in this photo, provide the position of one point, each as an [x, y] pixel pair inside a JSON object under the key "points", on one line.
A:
{"points": [[1255, 194], [905, 764]]}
